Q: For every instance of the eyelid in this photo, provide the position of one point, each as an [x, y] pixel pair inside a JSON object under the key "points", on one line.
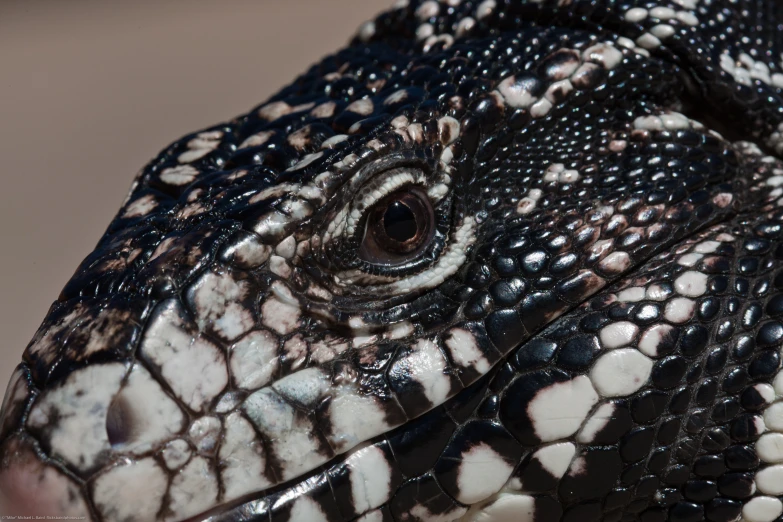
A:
{"points": [[340, 240], [375, 174], [370, 195]]}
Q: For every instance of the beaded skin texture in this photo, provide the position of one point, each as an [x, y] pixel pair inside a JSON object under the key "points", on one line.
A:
{"points": [[590, 332]]}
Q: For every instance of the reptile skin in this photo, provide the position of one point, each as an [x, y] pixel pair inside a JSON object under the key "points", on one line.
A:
{"points": [[494, 261]]}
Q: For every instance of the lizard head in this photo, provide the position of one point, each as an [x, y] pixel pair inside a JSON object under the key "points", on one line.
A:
{"points": [[282, 291]]}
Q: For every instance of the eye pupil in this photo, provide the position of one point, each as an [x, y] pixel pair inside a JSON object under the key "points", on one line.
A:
{"points": [[399, 222], [398, 228]]}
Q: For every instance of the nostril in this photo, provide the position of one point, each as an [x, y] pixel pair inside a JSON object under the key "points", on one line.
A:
{"points": [[120, 422]]}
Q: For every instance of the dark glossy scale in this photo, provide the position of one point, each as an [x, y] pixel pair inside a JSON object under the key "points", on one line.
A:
{"points": [[417, 448]]}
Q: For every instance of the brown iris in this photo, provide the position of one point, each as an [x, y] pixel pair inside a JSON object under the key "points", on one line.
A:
{"points": [[398, 227]]}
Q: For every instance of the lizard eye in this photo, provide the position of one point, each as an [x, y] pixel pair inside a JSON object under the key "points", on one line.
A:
{"points": [[398, 228]]}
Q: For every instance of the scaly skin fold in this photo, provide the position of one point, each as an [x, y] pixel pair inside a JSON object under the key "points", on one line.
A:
{"points": [[582, 324]]}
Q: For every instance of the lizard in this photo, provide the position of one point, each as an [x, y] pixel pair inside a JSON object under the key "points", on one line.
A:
{"points": [[493, 261]]}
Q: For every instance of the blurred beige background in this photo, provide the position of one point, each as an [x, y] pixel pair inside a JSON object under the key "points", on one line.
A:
{"points": [[91, 89]]}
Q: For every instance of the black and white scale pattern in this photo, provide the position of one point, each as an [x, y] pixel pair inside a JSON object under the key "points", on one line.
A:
{"points": [[591, 331]]}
